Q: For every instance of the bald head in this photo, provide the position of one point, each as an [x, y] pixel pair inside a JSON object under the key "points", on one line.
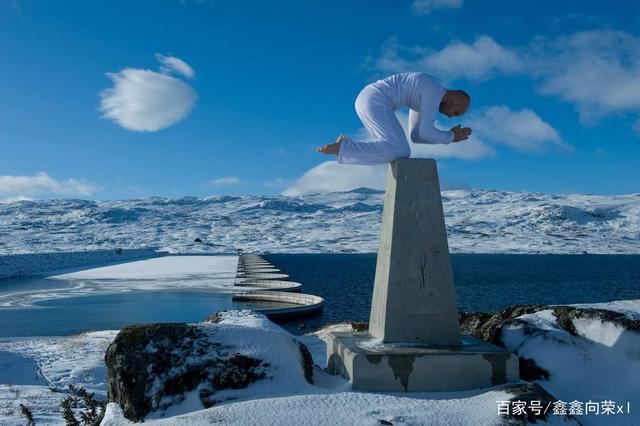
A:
{"points": [[455, 103]]}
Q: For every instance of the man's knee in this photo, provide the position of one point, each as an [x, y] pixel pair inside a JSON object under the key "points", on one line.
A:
{"points": [[404, 152]]}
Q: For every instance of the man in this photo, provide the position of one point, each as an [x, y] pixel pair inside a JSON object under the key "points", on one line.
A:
{"points": [[375, 105]]}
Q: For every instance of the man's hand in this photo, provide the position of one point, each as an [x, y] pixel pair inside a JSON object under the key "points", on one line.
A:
{"points": [[460, 133]]}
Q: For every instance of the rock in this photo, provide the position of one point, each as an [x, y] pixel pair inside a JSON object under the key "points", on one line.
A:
{"points": [[307, 362], [216, 318], [525, 393], [152, 366], [254, 319], [530, 371], [488, 325], [566, 314], [197, 240]]}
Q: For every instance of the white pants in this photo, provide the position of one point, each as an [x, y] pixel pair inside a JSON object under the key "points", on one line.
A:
{"points": [[388, 141]]}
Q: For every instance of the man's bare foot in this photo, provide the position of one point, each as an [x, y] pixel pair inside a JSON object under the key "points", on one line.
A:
{"points": [[332, 148]]}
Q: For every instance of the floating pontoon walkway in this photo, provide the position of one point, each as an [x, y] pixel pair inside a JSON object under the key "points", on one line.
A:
{"points": [[264, 285]]}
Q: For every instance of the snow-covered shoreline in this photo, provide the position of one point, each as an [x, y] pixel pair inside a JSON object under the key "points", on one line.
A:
{"points": [[594, 359], [478, 221]]}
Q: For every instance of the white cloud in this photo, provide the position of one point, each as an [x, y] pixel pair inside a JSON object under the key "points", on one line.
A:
{"points": [[477, 61], [144, 100], [597, 71], [225, 181], [331, 176], [22, 187], [423, 7], [393, 58], [523, 130], [169, 64]]}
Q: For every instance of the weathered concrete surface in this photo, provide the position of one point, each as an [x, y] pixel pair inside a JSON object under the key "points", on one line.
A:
{"points": [[414, 298], [414, 341], [372, 366]]}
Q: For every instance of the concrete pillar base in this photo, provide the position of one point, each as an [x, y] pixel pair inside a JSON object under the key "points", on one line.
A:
{"points": [[371, 365]]}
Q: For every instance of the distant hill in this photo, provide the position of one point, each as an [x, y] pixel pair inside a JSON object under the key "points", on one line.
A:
{"points": [[480, 221]]}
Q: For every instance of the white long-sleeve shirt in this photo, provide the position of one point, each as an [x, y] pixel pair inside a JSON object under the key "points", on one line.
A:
{"points": [[422, 94], [375, 105]]}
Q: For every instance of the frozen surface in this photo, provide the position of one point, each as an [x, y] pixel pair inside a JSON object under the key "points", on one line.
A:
{"points": [[172, 267], [478, 221], [193, 273]]}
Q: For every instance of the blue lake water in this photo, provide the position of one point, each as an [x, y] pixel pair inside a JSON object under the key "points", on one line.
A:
{"points": [[163, 289], [483, 282], [109, 312]]}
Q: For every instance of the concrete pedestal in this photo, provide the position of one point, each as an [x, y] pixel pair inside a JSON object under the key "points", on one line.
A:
{"points": [[413, 295], [414, 316], [373, 366]]}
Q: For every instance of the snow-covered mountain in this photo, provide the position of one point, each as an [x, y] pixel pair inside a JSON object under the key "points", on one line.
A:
{"points": [[478, 221]]}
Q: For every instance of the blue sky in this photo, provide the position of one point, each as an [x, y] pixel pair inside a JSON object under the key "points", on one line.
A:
{"points": [[123, 99]]}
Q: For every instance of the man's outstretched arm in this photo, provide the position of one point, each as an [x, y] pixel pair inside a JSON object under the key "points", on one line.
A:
{"points": [[422, 130]]}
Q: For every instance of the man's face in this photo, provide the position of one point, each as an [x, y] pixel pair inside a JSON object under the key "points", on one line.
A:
{"points": [[454, 110]]}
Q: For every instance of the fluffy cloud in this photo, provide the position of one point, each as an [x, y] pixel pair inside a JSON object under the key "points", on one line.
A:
{"points": [[225, 181], [596, 71], [423, 7], [477, 61], [23, 187], [171, 64], [523, 130], [331, 176], [148, 101]]}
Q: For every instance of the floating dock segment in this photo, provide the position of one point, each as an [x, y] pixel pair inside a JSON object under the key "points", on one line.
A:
{"points": [[258, 281]]}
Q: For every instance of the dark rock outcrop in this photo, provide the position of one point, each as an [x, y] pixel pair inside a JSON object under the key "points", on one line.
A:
{"points": [[524, 394], [566, 314], [152, 366], [225, 315], [488, 325], [307, 362]]}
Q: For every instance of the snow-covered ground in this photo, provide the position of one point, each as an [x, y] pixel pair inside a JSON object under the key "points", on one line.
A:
{"points": [[478, 221], [36, 371], [600, 363], [283, 400]]}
